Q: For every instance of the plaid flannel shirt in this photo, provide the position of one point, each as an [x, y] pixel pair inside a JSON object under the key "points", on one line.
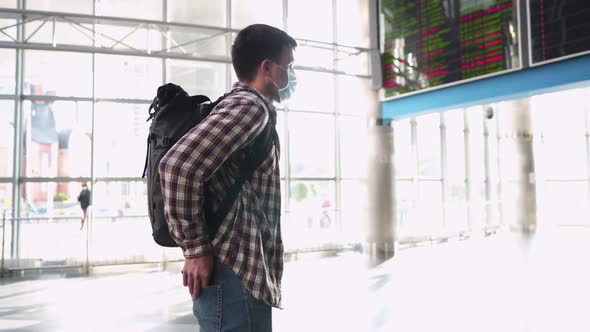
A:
{"points": [[249, 238]]}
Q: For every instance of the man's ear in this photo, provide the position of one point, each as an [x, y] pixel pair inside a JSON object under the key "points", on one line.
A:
{"points": [[265, 66]]}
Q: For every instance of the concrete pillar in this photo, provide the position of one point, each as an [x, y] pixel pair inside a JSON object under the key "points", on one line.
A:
{"points": [[380, 177], [519, 203], [381, 213]]}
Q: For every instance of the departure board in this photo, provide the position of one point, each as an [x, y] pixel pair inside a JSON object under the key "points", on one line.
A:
{"points": [[428, 43], [559, 28]]}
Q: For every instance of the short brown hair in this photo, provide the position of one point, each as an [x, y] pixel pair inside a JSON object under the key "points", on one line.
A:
{"points": [[256, 43]]}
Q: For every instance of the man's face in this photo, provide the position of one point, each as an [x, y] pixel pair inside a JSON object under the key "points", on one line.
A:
{"points": [[278, 71]]}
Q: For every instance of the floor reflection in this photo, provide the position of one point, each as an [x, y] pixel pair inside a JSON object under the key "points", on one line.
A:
{"points": [[504, 282]]}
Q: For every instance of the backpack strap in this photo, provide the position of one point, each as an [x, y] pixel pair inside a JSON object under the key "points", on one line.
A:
{"points": [[253, 159]]}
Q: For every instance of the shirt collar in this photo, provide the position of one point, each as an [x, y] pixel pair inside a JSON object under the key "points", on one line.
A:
{"points": [[242, 85]]}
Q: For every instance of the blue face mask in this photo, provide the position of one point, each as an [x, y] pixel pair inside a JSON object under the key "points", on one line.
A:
{"points": [[287, 91]]}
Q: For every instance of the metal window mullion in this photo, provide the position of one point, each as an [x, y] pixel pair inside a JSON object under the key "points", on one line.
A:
{"points": [[415, 160], [488, 172], [316, 112], [285, 15], [119, 179], [285, 150], [17, 161], [336, 119], [158, 55], [52, 179], [110, 20], [163, 45], [500, 180], [90, 216], [468, 180], [444, 167], [228, 42], [54, 98], [338, 166], [587, 125], [286, 146], [126, 21]]}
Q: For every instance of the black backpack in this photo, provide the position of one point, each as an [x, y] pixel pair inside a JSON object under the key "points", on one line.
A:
{"points": [[173, 113]]}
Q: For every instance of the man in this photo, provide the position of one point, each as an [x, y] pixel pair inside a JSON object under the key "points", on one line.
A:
{"points": [[235, 277], [84, 199]]}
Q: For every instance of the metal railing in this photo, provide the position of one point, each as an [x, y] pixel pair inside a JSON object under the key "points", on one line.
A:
{"points": [[4, 212]]}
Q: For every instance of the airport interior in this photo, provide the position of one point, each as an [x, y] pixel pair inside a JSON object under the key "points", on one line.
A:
{"points": [[435, 161]]}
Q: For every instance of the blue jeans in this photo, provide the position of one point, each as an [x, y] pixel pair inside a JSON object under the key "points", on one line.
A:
{"points": [[227, 306]]}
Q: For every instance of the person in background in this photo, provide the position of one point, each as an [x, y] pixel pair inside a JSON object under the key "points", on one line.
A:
{"points": [[84, 199]]}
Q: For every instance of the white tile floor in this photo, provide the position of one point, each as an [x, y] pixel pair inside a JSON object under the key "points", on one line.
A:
{"points": [[501, 283]]}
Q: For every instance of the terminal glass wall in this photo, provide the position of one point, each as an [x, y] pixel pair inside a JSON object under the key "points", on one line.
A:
{"points": [[450, 172], [74, 98]]}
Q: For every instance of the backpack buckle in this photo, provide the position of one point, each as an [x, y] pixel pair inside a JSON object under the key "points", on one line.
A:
{"points": [[162, 142]]}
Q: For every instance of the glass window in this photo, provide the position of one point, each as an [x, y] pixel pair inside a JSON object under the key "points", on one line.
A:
{"points": [[136, 77], [564, 137], [322, 17], [508, 150], [311, 145], [282, 142], [211, 13], [65, 33], [234, 77], [430, 212], [564, 202], [493, 149], [430, 193], [198, 78], [456, 191], [478, 205], [150, 9], [475, 118], [352, 20], [571, 160], [456, 206], [314, 57], [406, 198], [511, 204], [455, 137], [354, 95], [50, 222], [354, 202], [6, 215], [67, 6], [405, 164], [314, 92], [45, 74], [352, 62], [196, 42], [119, 210], [6, 137], [428, 136], [309, 201], [283, 197], [246, 12], [117, 198], [121, 146], [59, 141], [52, 199], [11, 32], [129, 37], [354, 145], [7, 3]]}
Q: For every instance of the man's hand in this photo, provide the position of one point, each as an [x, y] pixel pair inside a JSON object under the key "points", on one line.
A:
{"points": [[196, 273]]}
